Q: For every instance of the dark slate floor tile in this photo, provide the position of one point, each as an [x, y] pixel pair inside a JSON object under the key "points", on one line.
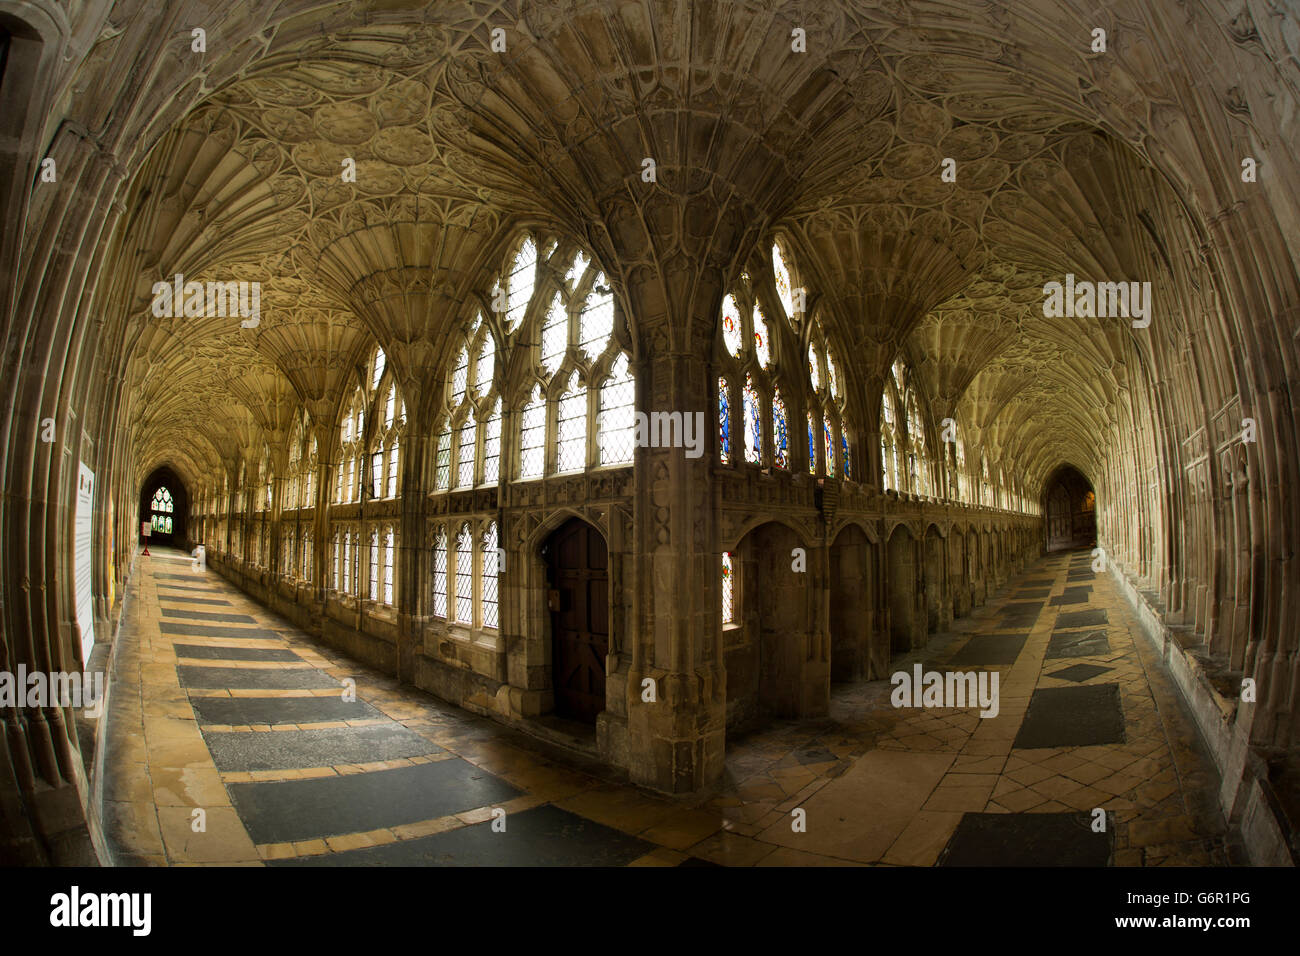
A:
{"points": [[1077, 644], [543, 836], [185, 628], [1080, 672], [188, 587], [186, 599], [1073, 596], [279, 710], [1038, 592], [1072, 717], [279, 678], [1028, 839], [207, 615], [280, 811], [292, 749], [1093, 618], [986, 649], [210, 653]]}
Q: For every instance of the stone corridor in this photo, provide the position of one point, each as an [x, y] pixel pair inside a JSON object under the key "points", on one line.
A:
{"points": [[217, 705]]}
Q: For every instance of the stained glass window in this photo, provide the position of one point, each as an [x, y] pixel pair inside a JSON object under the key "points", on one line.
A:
{"points": [[780, 447], [814, 372], [464, 576], [833, 375], [488, 576], [571, 424], [728, 590], [830, 448], [812, 446], [753, 450], [762, 343], [162, 501], [440, 573], [732, 334], [782, 276], [844, 452], [161, 507], [617, 417], [724, 421]]}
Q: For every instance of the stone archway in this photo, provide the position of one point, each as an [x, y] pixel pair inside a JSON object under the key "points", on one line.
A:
{"points": [[853, 563], [1069, 510], [770, 672], [906, 628], [164, 496]]}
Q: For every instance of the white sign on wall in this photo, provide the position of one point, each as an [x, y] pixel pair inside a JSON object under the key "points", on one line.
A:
{"points": [[84, 560]]}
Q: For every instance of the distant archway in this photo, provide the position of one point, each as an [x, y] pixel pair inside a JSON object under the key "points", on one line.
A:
{"points": [[164, 504], [1070, 508]]}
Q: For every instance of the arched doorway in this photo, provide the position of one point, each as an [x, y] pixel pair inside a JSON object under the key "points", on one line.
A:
{"points": [[853, 569], [1070, 507], [936, 619], [577, 565], [902, 591], [769, 670], [164, 504]]}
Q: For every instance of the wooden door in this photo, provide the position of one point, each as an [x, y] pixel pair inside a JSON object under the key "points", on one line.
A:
{"points": [[578, 565]]}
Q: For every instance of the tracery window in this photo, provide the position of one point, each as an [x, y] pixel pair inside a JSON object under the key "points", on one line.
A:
{"points": [[574, 391], [161, 509], [774, 377], [827, 402], [464, 579], [903, 449]]}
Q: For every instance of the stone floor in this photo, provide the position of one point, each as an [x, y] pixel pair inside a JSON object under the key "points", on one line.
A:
{"points": [[221, 707]]}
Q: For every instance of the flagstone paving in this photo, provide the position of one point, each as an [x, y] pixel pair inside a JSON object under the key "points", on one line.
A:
{"points": [[236, 743]]}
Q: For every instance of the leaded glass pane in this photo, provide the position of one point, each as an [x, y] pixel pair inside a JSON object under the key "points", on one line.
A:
{"points": [[830, 448], [522, 278], [464, 576], [485, 365], [596, 324], [465, 455], [393, 460], [440, 573], [459, 376], [388, 567], [814, 372], [782, 276], [374, 566], [492, 446], [488, 576], [617, 416], [532, 436], [442, 469], [555, 335], [572, 428], [812, 446]]}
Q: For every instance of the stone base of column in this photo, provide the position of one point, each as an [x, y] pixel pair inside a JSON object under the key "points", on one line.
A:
{"points": [[676, 744]]}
